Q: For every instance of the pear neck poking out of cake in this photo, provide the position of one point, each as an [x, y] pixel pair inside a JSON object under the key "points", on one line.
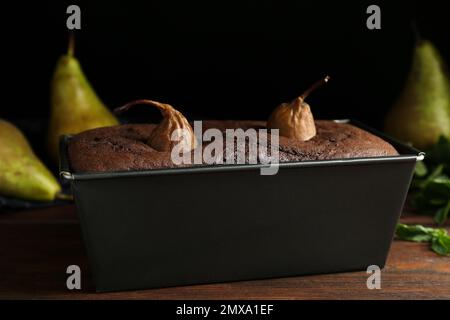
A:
{"points": [[295, 120], [174, 129]]}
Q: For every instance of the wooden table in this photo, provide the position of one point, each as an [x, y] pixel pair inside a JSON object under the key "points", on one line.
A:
{"points": [[36, 246]]}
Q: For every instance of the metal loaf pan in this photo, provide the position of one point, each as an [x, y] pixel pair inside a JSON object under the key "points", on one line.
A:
{"points": [[168, 227]]}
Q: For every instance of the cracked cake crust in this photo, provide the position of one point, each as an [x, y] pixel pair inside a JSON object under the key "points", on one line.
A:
{"points": [[124, 148]]}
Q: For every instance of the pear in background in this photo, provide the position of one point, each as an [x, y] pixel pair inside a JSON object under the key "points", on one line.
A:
{"points": [[75, 107], [422, 112], [22, 174]]}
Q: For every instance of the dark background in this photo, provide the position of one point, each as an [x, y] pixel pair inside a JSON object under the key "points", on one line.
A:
{"points": [[220, 59]]}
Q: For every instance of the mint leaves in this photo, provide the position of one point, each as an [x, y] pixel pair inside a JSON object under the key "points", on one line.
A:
{"points": [[431, 185], [430, 194], [438, 238]]}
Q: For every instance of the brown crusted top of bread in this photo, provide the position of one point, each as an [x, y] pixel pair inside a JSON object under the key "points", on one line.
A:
{"points": [[124, 148]]}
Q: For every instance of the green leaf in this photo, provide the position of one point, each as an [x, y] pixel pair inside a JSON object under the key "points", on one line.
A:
{"points": [[441, 244], [415, 233], [437, 172], [437, 202], [438, 187], [420, 169], [442, 214], [439, 239], [433, 195], [425, 206], [439, 232], [440, 152]]}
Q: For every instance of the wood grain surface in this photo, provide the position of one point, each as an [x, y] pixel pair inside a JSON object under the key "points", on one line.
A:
{"points": [[36, 246]]}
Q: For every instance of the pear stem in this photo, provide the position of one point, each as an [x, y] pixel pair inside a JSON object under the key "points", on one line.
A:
{"points": [[314, 87], [71, 45], [159, 105], [416, 31]]}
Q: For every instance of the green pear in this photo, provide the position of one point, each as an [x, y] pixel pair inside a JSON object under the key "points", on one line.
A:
{"points": [[422, 111], [22, 174], [75, 107]]}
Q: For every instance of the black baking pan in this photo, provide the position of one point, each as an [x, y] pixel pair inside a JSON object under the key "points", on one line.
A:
{"points": [[167, 227]]}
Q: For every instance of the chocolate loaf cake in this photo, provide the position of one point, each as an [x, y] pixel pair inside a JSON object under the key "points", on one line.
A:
{"points": [[124, 148]]}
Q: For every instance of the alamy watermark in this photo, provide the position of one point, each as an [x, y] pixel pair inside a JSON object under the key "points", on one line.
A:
{"points": [[374, 280], [74, 279], [236, 146], [73, 22], [373, 22]]}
